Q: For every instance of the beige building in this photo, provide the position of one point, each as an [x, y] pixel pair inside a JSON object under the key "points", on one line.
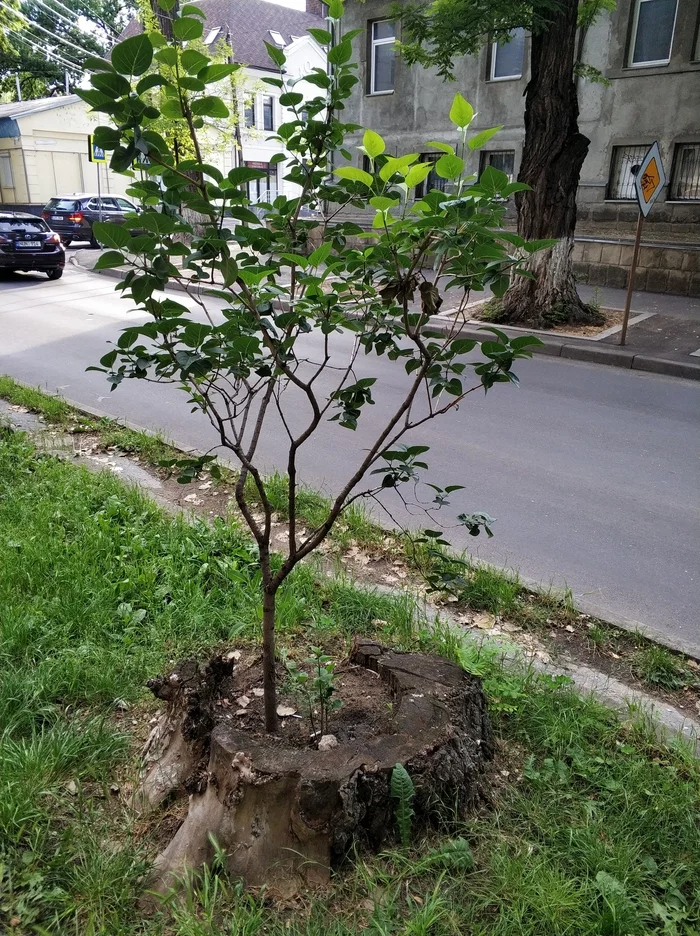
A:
{"points": [[44, 152]]}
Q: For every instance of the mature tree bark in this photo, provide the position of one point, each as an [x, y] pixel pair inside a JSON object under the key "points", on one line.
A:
{"points": [[553, 154]]}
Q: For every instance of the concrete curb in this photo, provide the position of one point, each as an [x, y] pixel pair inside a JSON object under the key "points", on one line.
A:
{"points": [[565, 347]]}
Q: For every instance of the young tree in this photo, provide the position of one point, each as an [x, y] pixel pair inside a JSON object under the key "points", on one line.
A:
{"points": [[267, 350], [554, 149]]}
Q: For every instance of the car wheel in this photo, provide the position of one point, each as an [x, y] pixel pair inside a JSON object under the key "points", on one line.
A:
{"points": [[94, 243], [67, 241], [55, 274]]}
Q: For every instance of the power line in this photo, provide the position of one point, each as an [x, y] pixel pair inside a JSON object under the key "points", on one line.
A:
{"points": [[109, 29], [62, 61], [47, 31], [60, 16]]}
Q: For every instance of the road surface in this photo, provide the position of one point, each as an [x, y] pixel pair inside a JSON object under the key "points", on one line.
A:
{"points": [[591, 471]]}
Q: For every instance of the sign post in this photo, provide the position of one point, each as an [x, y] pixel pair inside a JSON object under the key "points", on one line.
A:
{"points": [[97, 155], [649, 180]]}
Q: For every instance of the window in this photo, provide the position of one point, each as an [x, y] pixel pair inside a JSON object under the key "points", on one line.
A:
{"points": [[504, 160], [6, 180], [277, 38], [507, 57], [249, 114], [268, 112], [264, 189], [382, 55], [211, 35], [125, 205], [432, 180], [626, 160], [652, 32], [685, 175]]}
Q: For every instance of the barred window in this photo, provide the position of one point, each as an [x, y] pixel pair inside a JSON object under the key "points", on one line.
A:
{"points": [[626, 160], [685, 175], [499, 159], [433, 180]]}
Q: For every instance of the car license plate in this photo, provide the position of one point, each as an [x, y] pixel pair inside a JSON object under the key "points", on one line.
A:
{"points": [[57, 217], [32, 245]]}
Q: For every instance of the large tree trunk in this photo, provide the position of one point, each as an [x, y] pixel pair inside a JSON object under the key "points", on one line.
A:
{"points": [[553, 154]]}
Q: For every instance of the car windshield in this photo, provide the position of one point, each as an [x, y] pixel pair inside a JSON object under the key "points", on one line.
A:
{"points": [[62, 204], [7, 226]]}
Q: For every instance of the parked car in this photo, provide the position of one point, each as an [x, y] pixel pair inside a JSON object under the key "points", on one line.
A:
{"points": [[72, 216], [28, 243]]}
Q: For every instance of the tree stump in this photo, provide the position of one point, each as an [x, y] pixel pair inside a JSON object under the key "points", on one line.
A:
{"points": [[286, 814]]}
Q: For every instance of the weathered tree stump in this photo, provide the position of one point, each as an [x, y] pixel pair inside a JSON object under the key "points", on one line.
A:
{"points": [[285, 813]]}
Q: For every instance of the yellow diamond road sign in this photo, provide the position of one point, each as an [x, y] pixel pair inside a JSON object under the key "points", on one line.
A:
{"points": [[650, 179]]}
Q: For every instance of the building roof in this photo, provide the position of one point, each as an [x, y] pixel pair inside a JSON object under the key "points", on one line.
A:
{"points": [[250, 22], [25, 108]]}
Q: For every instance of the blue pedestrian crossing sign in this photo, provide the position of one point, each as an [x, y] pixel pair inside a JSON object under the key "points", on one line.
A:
{"points": [[95, 153]]}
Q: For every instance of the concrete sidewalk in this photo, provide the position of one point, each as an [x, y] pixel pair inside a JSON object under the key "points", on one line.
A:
{"points": [[664, 340]]}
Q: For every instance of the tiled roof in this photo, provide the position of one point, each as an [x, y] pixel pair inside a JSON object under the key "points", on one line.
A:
{"points": [[24, 108], [250, 22]]}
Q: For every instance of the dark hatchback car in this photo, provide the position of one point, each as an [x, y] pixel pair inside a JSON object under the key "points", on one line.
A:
{"points": [[28, 243], [72, 216]]}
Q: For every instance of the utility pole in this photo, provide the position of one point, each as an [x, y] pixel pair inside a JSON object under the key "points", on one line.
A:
{"points": [[67, 82], [238, 148], [18, 86]]}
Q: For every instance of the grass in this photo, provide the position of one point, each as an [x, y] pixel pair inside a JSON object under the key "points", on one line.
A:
{"points": [[659, 667], [595, 831], [53, 408]]}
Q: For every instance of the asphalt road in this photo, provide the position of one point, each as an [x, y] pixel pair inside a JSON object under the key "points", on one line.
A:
{"points": [[591, 471]]}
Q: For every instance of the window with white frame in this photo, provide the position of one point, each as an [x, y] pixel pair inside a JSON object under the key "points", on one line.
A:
{"points": [[652, 32], [685, 175], [382, 57], [268, 103], [6, 179], [249, 115], [625, 164], [507, 57], [503, 160]]}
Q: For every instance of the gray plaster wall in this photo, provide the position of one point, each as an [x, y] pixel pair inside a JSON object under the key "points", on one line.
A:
{"points": [[636, 106]]}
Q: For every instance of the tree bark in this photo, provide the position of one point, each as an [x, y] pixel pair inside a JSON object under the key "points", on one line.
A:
{"points": [[269, 686], [553, 154]]}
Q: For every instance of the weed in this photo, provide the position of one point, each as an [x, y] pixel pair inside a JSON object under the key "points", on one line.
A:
{"points": [[659, 667], [317, 689], [403, 791]]}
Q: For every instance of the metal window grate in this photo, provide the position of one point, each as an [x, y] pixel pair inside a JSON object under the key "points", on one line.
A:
{"points": [[504, 160], [685, 177], [625, 162]]}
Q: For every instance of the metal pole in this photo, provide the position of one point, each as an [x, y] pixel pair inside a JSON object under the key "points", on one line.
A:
{"points": [[99, 194], [67, 83], [18, 86], [630, 284]]}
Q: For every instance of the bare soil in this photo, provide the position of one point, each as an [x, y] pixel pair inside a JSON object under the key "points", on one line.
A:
{"points": [[612, 317]]}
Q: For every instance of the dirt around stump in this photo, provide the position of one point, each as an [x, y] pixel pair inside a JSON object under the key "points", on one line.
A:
{"points": [[286, 813]]}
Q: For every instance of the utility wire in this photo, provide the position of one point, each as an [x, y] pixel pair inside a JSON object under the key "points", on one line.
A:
{"points": [[63, 61], [47, 31], [109, 29], [70, 21]]}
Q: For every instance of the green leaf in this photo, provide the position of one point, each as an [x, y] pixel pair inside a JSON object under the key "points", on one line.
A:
{"points": [[449, 167], [291, 99], [167, 5], [276, 54], [443, 147], [122, 158], [353, 174], [150, 81], [187, 28], [322, 36], [320, 255], [383, 202], [499, 285], [245, 174], [461, 112], [419, 172], [318, 78], [476, 142], [111, 84], [167, 56], [157, 223], [493, 180], [217, 72], [210, 106], [396, 164], [190, 9], [243, 214], [94, 64], [106, 137], [513, 187], [171, 109], [189, 83], [374, 145], [108, 260], [335, 9], [133, 56], [403, 791], [340, 53], [193, 61], [111, 235]]}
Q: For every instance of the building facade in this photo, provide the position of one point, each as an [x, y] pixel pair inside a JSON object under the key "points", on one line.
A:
{"points": [[648, 52]]}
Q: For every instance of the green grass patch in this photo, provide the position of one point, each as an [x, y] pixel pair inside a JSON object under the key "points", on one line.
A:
{"points": [[53, 408], [595, 831]]}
